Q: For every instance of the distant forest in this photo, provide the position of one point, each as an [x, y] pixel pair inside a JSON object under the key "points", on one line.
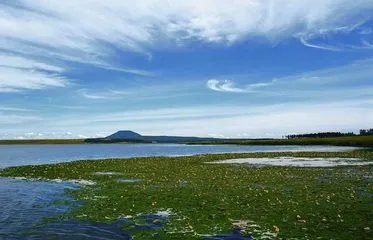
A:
{"points": [[362, 132]]}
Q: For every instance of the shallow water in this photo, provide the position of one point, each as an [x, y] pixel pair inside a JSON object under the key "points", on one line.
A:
{"points": [[24, 203], [19, 200], [18, 155], [297, 161]]}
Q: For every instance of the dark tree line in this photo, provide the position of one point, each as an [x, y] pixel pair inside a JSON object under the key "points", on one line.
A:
{"points": [[363, 132], [320, 135], [366, 131]]}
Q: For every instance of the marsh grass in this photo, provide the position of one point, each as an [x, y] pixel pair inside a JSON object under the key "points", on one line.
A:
{"points": [[277, 202]]}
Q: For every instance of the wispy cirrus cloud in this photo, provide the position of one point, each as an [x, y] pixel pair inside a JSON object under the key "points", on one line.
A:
{"points": [[15, 109], [230, 86], [19, 73], [37, 37], [330, 82], [24, 63], [17, 80], [58, 29], [69, 107], [103, 95]]}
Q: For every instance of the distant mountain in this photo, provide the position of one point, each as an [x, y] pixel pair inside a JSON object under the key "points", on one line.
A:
{"points": [[126, 134], [130, 135]]}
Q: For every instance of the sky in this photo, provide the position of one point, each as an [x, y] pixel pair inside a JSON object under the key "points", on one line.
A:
{"points": [[239, 68]]}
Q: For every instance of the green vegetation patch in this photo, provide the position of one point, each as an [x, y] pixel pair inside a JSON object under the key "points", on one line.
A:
{"points": [[276, 202]]}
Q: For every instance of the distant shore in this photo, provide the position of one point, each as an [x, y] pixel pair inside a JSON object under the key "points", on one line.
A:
{"points": [[355, 141], [66, 141]]}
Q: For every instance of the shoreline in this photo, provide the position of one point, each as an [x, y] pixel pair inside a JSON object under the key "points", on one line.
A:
{"points": [[353, 141]]}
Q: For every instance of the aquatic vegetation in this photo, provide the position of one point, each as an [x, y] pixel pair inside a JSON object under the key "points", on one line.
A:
{"points": [[196, 200]]}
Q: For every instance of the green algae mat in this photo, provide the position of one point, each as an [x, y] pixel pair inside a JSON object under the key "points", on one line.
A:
{"points": [[202, 199]]}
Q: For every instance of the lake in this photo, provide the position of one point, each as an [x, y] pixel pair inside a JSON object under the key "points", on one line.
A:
{"points": [[18, 155], [21, 202]]}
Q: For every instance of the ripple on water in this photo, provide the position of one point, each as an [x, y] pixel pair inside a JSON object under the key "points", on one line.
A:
{"points": [[18, 199]]}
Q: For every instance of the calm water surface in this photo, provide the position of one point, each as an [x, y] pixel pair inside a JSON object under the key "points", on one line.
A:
{"points": [[19, 199], [18, 155]]}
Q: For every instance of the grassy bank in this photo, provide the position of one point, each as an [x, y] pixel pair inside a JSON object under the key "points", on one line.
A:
{"points": [[277, 202], [357, 141]]}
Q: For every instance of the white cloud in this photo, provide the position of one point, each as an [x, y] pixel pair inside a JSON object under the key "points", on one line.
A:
{"points": [[158, 115], [320, 46], [20, 62], [145, 92], [38, 36], [109, 94], [61, 29], [43, 135], [19, 73], [67, 107], [15, 109], [17, 79], [329, 82], [230, 86], [95, 97]]}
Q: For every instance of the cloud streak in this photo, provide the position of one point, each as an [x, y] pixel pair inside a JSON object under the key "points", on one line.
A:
{"points": [[15, 109], [17, 80], [58, 29], [105, 95], [20, 73], [330, 82], [230, 86]]}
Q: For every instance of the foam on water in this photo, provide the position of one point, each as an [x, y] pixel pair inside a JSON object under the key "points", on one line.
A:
{"points": [[164, 214], [297, 161], [81, 182]]}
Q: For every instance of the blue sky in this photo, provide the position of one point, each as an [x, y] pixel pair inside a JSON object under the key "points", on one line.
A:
{"points": [[243, 68]]}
